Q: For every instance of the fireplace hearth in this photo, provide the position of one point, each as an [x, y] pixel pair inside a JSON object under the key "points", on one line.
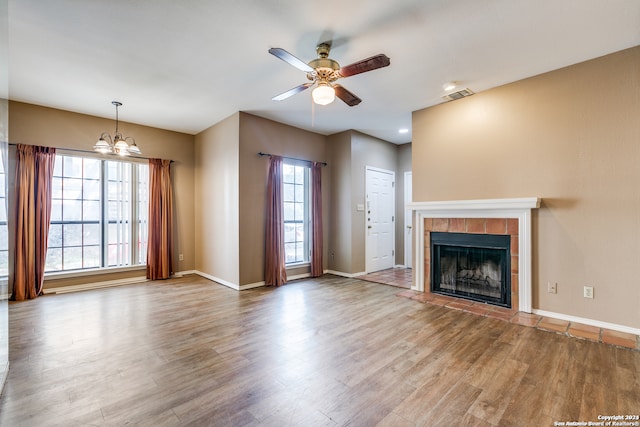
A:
{"points": [[472, 266]]}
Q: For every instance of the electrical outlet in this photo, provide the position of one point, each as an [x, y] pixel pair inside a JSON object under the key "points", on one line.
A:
{"points": [[552, 288], [180, 257], [588, 292]]}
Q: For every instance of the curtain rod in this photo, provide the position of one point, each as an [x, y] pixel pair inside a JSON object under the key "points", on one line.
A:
{"points": [[93, 152], [290, 158]]}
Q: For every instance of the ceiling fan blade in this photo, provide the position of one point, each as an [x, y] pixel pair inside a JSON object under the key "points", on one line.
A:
{"points": [[292, 92], [349, 98], [368, 64], [289, 58]]}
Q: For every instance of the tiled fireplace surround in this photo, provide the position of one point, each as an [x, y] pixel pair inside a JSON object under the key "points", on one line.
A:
{"points": [[494, 216], [501, 226]]}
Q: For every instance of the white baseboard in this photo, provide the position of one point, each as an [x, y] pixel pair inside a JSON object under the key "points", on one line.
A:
{"points": [[261, 284], [248, 285], [218, 280], [348, 275], [94, 285], [228, 284], [252, 285], [584, 321], [184, 273]]}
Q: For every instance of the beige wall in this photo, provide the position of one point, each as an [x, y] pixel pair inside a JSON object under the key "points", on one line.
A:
{"points": [[220, 185], [262, 135], [365, 151], [403, 165], [351, 152], [217, 201], [571, 137], [339, 147], [35, 125]]}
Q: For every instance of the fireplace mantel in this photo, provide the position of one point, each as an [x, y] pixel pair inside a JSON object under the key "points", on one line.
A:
{"points": [[519, 208]]}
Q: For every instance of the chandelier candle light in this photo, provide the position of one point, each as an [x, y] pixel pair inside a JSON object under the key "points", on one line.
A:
{"points": [[118, 144]]}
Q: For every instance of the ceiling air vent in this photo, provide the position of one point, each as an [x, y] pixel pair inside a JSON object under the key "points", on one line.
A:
{"points": [[457, 94]]}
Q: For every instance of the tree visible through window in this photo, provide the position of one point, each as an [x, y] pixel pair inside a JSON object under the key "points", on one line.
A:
{"points": [[97, 206], [296, 215]]}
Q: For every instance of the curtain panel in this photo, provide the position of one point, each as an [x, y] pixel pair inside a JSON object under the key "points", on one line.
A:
{"points": [[32, 215], [316, 220], [275, 273], [160, 245]]}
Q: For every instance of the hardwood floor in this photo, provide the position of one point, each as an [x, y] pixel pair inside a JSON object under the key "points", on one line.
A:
{"points": [[317, 352], [397, 276]]}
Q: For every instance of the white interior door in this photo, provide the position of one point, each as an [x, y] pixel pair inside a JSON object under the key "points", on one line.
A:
{"points": [[408, 221], [380, 205]]}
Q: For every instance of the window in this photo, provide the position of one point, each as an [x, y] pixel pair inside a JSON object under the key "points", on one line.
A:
{"points": [[97, 206], [296, 216]]}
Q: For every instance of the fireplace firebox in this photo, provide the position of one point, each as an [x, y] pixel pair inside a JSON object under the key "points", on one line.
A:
{"points": [[472, 266]]}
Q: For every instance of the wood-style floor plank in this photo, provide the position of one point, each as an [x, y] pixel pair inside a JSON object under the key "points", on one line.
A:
{"points": [[317, 352]]}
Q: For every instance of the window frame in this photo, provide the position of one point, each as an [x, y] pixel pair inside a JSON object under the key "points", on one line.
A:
{"points": [[134, 219], [306, 220]]}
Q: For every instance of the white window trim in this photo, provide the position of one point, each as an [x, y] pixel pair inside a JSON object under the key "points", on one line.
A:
{"points": [[62, 274], [308, 214]]}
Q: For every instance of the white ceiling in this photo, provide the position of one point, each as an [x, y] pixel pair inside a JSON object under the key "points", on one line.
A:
{"points": [[186, 65]]}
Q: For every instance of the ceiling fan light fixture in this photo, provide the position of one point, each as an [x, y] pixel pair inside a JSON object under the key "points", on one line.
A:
{"points": [[323, 94], [323, 73]]}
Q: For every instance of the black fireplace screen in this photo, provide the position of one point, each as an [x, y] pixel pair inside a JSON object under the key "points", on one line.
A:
{"points": [[472, 266]]}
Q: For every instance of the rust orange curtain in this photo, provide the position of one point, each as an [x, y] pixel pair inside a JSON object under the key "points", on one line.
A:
{"points": [[33, 186], [275, 273], [316, 220], [160, 246]]}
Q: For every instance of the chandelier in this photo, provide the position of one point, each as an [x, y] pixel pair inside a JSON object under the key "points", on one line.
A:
{"points": [[118, 144]]}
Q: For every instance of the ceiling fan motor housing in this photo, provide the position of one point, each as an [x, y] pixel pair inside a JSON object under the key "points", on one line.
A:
{"points": [[325, 69]]}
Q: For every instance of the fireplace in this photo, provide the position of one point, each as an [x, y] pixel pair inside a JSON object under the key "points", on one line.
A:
{"points": [[472, 266], [511, 217]]}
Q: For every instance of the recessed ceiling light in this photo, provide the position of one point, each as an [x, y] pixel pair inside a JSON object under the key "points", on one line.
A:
{"points": [[449, 86], [403, 130]]}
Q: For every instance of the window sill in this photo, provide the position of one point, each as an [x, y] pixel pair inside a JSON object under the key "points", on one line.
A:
{"points": [[91, 272], [297, 265]]}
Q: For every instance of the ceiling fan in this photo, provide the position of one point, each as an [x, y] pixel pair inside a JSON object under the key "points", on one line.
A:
{"points": [[323, 73]]}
